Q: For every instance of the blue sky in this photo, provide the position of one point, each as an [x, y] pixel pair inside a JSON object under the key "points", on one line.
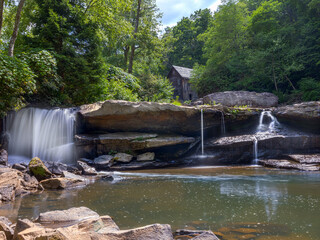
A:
{"points": [[174, 10]]}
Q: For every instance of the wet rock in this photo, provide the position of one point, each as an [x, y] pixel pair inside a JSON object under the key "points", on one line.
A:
{"points": [[148, 156], [3, 157], [308, 159], [62, 183], [286, 164], [123, 157], [208, 235], [240, 98], [301, 116], [56, 168], [86, 169], [150, 232], [19, 167], [140, 165], [31, 233], [121, 116], [38, 169], [66, 217], [5, 227]]}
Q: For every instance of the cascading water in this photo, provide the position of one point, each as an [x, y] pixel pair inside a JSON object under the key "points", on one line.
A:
{"points": [[262, 127], [223, 125], [202, 137], [47, 134], [255, 150]]}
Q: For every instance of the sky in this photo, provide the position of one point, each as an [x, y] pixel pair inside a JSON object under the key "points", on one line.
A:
{"points": [[174, 10]]}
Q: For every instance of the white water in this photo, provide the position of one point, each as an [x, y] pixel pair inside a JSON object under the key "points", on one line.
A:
{"points": [[255, 151], [262, 127], [47, 134], [223, 125], [202, 138]]}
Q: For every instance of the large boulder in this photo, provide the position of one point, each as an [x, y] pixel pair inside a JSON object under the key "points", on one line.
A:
{"points": [[86, 169], [66, 217], [62, 183], [82, 224], [3, 157], [301, 116], [123, 116], [240, 98], [38, 169], [6, 228], [14, 183]]}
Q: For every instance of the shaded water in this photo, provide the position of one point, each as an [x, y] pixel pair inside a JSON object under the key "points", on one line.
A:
{"points": [[273, 204]]}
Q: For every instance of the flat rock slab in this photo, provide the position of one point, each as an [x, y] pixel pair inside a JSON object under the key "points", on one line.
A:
{"points": [[66, 217], [285, 164], [308, 159], [240, 98], [125, 141], [62, 183]]}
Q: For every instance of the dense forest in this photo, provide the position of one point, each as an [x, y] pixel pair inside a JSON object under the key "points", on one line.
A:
{"points": [[71, 52]]}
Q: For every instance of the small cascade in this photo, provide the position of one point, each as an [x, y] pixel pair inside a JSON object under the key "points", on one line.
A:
{"points": [[223, 125], [255, 151], [267, 127], [202, 137], [47, 134]]}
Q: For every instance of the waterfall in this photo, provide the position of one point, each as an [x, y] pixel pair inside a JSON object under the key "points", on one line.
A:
{"points": [[223, 125], [47, 134], [202, 144], [255, 150], [267, 127]]}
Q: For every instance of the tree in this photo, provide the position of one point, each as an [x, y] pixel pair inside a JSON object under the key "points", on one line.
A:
{"points": [[16, 28]]}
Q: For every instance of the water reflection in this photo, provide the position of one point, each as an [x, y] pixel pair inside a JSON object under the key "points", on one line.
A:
{"points": [[271, 195], [198, 198]]}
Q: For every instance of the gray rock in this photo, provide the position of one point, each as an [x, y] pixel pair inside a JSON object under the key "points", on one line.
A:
{"points": [[240, 98], [86, 169], [308, 159], [19, 167], [302, 116], [208, 235], [286, 164], [123, 157], [56, 167], [66, 217], [105, 160], [3, 157], [148, 156]]}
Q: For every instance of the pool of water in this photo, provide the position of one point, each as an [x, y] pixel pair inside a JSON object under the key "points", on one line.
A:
{"points": [[234, 202]]}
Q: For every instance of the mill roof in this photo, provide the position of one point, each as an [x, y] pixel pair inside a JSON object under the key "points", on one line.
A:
{"points": [[183, 72]]}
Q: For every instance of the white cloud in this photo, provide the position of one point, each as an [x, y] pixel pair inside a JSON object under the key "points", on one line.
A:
{"points": [[215, 5]]}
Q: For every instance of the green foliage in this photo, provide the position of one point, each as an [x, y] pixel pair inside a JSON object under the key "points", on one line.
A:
{"points": [[310, 89], [16, 80], [155, 88], [176, 101]]}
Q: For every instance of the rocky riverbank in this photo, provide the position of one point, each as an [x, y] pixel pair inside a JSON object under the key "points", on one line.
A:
{"points": [[84, 224]]}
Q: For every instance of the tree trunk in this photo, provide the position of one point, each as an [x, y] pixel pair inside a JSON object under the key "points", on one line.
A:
{"points": [[1, 14], [274, 76], [126, 54], [16, 28], [133, 45]]}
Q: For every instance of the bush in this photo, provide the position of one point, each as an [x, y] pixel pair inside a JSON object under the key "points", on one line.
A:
{"points": [[16, 80]]}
